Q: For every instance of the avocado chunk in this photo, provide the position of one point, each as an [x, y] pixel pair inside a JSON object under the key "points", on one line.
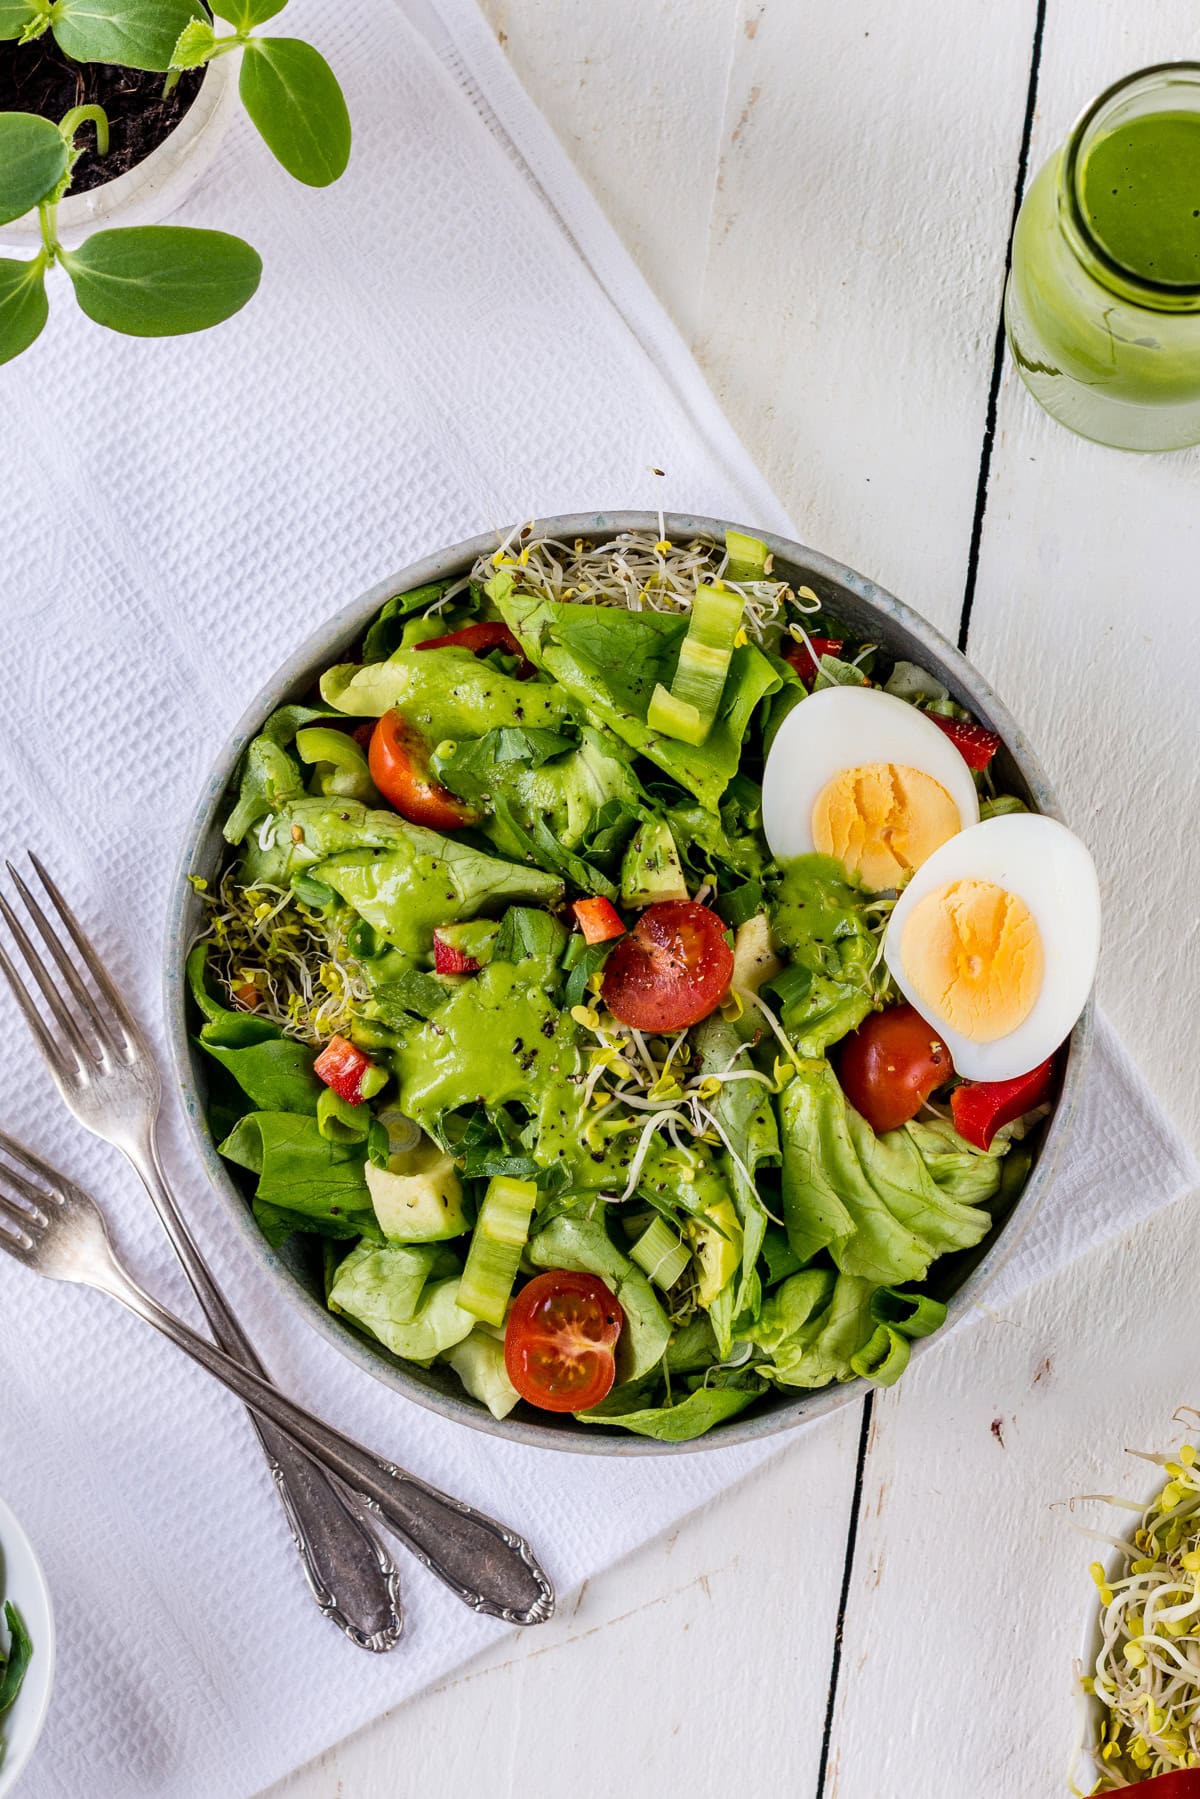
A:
{"points": [[418, 1196], [478, 1362], [717, 1247], [651, 869]]}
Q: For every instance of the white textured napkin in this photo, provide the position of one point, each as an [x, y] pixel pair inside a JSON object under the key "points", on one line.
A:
{"points": [[451, 338]]}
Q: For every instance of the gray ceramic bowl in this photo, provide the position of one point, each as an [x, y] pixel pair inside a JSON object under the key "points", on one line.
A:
{"points": [[869, 613]]}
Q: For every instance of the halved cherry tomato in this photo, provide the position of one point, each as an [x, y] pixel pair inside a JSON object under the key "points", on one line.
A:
{"points": [[981, 1108], [399, 763], [489, 634], [671, 971], [448, 959], [801, 658], [342, 1066], [598, 919], [559, 1341], [890, 1066], [974, 743]]}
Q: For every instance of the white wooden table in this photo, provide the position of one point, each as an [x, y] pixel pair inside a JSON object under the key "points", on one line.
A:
{"points": [[822, 196]]}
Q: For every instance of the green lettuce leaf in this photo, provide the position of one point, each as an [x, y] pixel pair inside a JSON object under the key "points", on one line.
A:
{"points": [[386, 1289], [871, 1201], [813, 1327], [14, 1667], [387, 630], [298, 1169], [275, 1074], [563, 793], [446, 693], [683, 1421]]}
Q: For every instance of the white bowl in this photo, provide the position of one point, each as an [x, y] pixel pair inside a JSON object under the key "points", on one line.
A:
{"points": [[155, 186], [22, 1581]]}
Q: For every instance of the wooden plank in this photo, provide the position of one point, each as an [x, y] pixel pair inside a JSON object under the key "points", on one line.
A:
{"points": [[858, 237]]}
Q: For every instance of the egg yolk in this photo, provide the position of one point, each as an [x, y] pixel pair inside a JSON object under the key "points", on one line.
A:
{"points": [[883, 820], [974, 956]]}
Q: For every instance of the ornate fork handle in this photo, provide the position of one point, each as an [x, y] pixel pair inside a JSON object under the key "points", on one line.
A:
{"points": [[350, 1575], [488, 1566]]}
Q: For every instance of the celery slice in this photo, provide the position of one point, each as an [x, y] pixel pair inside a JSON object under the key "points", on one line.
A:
{"points": [[688, 711], [500, 1234], [748, 557], [661, 1253]]}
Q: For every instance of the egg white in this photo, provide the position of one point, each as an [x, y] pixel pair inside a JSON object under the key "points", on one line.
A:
{"points": [[1048, 867], [849, 727]]}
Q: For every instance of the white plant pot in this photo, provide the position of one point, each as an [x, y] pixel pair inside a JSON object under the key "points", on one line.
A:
{"points": [[154, 187]]}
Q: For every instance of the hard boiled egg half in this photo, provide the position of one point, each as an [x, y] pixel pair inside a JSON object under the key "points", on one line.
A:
{"points": [[995, 942], [863, 776]]}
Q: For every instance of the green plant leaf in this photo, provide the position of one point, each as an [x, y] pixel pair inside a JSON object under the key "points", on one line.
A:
{"points": [[17, 17], [23, 305], [137, 34], [197, 42], [160, 280], [292, 95], [33, 160], [245, 13]]}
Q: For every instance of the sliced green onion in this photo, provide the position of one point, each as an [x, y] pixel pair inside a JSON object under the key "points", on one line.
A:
{"points": [[341, 767], [883, 1358], [661, 1253], [500, 1234], [912, 1314], [675, 718], [340, 1122]]}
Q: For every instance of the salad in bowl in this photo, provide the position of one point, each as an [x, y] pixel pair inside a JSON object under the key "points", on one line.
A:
{"points": [[629, 990]]}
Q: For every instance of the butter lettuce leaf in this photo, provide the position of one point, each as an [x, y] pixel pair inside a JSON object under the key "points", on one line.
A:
{"points": [[447, 693], [298, 1169], [386, 1290], [682, 1422], [870, 1201], [814, 1326], [564, 793]]}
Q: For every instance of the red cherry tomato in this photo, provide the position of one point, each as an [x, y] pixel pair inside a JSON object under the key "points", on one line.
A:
{"points": [[448, 959], [671, 971], [559, 1341], [342, 1065], [801, 657], [981, 1108], [399, 764], [974, 743], [890, 1066], [489, 634]]}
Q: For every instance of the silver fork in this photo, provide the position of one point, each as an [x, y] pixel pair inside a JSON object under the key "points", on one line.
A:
{"points": [[104, 1070], [58, 1230]]}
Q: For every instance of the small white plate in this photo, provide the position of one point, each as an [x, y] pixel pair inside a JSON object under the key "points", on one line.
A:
{"points": [[22, 1581]]}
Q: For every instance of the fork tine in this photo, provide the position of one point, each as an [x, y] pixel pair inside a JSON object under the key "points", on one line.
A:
{"points": [[18, 1244], [33, 1211], [27, 1163], [53, 998], [91, 960], [50, 1048], [101, 1022], [29, 1222]]}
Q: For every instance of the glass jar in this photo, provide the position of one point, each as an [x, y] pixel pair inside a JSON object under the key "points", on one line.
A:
{"points": [[1102, 308]]}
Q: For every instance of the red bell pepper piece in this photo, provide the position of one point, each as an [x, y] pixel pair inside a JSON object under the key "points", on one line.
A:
{"points": [[449, 960], [488, 634], [342, 1066], [981, 1108], [598, 919], [1180, 1783], [975, 743], [801, 659]]}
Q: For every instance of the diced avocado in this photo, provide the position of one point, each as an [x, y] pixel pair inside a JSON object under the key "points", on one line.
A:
{"points": [[749, 557], [478, 1362], [754, 957], [418, 1196], [651, 869], [718, 1251], [476, 938]]}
